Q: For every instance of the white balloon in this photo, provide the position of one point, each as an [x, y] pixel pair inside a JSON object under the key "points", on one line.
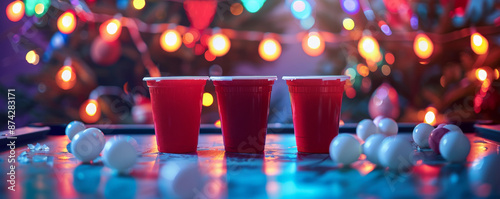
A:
{"points": [[453, 127], [395, 152], [372, 146], [181, 180], [421, 134], [345, 149], [388, 127], [366, 128], [86, 145], [73, 128], [454, 147], [120, 153]]}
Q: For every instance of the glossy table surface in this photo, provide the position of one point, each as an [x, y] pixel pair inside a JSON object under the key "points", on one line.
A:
{"points": [[280, 172]]}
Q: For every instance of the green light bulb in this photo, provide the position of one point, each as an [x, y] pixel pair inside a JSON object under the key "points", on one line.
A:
{"points": [[253, 6]]}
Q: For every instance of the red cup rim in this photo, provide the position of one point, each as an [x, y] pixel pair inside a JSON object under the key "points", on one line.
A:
{"points": [[231, 78], [323, 77], [175, 78]]}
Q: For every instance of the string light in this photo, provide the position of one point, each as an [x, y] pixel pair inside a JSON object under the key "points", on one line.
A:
{"points": [[479, 44], [386, 70], [350, 6], [66, 78], [110, 30], [66, 23], [389, 58], [15, 11], [209, 56], [90, 111], [252, 6], [481, 74], [369, 49], [170, 40], [313, 44], [348, 23], [497, 73], [139, 4], [269, 49], [39, 8], [32, 57], [219, 44], [208, 99], [301, 9], [362, 70], [423, 46], [217, 124], [430, 116], [236, 9]]}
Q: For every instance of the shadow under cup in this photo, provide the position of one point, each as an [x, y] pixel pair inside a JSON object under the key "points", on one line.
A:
{"points": [[176, 105], [244, 108], [316, 103]]}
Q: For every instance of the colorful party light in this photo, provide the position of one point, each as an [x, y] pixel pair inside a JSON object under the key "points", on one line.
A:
{"points": [[313, 44], [369, 49], [66, 23], [110, 30], [15, 11], [478, 43], [32, 57], [423, 46], [139, 4], [90, 111], [219, 44], [170, 40], [269, 49], [36, 7], [208, 99], [430, 116], [252, 6], [236, 9], [350, 6], [301, 9], [481, 74], [348, 23], [66, 78]]}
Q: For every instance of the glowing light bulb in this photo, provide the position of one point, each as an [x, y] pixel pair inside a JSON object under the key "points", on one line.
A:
{"points": [[15, 11], [170, 40], [348, 23], [110, 30], [479, 44], [139, 4], [66, 78], [208, 99], [219, 44], [269, 49], [32, 57], [301, 9], [430, 116], [252, 6], [350, 6], [66, 23], [313, 44], [481, 74], [39, 9], [217, 124], [369, 49], [422, 45], [90, 111]]}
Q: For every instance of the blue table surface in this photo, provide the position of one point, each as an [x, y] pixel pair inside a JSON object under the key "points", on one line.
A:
{"points": [[280, 172]]}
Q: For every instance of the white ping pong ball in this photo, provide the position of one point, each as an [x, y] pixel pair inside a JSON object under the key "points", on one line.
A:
{"points": [[365, 128], [345, 149], [453, 127], [388, 127], [120, 153], [454, 147], [421, 134], [73, 128], [86, 145], [372, 146], [181, 180], [395, 152]]}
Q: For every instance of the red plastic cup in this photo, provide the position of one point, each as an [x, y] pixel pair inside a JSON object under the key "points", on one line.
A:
{"points": [[176, 106], [243, 108], [316, 103]]}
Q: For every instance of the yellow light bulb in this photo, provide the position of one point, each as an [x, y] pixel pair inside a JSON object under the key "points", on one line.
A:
{"points": [[139, 4], [481, 74], [66, 23], [208, 99], [313, 44], [269, 49], [39, 8], [66, 78], [219, 44], [369, 49], [170, 40], [422, 45], [479, 44], [348, 23]]}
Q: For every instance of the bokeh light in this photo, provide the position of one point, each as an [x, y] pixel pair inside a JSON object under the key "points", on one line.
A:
{"points": [[39, 8], [386, 70], [217, 124], [253, 6], [219, 44], [497, 73], [350, 6], [269, 49], [110, 30], [348, 23], [478, 43], [236, 9], [362, 70], [209, 56], [389, 58], [15, 11], [313, 44], [32, 57], [170, 40], [139, 4], [90, 111], [208, 99], [481, 74], [423, 46], [369, 49], [301, 9], [430, 116], [66, 78], [66, 23]]}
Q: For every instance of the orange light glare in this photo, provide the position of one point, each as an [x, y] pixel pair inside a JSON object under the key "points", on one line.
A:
{"points": [[15, 11], [110, 30], [269, 49], [170, 40], [313, 44], [66, 78], [423, 46], [66, 23], [219, 44], [478, 43]]}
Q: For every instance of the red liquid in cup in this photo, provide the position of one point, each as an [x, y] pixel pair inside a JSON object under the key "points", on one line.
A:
{"points": [[244, 108], [316, 107], [176, 106]]}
